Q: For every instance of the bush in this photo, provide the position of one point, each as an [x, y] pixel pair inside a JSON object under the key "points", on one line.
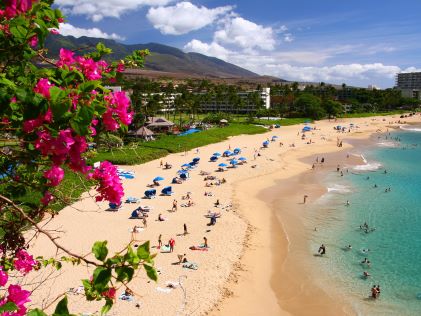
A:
{"points": [[215, 118]]}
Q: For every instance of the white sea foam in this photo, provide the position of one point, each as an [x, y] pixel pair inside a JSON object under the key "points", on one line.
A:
{"points": [[388, 144], [372, 166], [338, 188], [412, 129]]}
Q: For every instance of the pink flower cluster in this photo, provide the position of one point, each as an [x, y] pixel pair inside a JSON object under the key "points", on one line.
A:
{"points": [[18, 296], [16, 7], [43, 87], [110, 187], [91, 69], [3, 277], [24, 262], [119, 105], [30, 125], [54, 175]]}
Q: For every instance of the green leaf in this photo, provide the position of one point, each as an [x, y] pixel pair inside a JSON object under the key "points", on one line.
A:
{"points": [[100, 250], [143, 251], [88, 86], [124, 273], [36, 312], [101, 278], [82, 120], [8, 307], [106, 308], [151, 272], [61, 308]]}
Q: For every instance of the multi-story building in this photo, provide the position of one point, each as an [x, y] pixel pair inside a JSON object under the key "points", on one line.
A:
{"points": [[409, 83], [250, 102], [166, 100]]}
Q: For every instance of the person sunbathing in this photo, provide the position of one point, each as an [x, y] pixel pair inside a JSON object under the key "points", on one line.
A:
{"points": [[161, 218]]}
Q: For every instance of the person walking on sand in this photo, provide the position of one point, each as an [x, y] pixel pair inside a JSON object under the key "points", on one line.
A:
{"points": [[322, 250], [205, 242], [159, 241], [185, 229], [305, 199], [161, 164], [171, 242], [174, 206]]}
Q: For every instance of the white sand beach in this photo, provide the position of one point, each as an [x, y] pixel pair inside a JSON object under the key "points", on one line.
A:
{"points": [[248, 247]]}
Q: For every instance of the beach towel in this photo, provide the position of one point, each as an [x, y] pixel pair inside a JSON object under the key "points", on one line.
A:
{"points": [[165, 248], [128, 298], [200, 248], [190, 265], [163, 289]]}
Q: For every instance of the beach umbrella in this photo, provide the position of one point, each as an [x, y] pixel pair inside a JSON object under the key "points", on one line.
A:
{"points": [[265, 143], [222, 165], [196, 159], [274, 136], [185, 165], [217, 154], [233, 162], [158, 179], [227, 153], [242, 158]]}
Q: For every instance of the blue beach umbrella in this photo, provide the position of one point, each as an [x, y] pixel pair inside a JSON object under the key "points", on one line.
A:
{"points": [[233, 162], [242, 158], [222, 165], [185, 165], [265, 143], [158, 179], [274, 136], [217, 154]]}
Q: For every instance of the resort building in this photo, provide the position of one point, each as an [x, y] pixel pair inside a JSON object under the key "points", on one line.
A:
{"points": [[409, 84], [166, 100], [249, 101]]}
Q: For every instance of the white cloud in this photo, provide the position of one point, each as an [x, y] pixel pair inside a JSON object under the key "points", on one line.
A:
{"points": [[97, 10], [245, 34], [183, 17], [304, 65], [68, 29], [212, 49], [288, 37]]}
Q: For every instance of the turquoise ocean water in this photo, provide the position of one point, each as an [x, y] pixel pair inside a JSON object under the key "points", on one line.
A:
{"points": [[395, 244]]}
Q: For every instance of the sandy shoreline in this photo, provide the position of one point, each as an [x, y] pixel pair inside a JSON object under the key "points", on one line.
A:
{"points": [[249, 245]]}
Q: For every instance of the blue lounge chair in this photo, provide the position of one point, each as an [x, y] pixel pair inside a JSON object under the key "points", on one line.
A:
{"points": [[131, 199], [167, 191], [150, 194], [184, 176], [114, 206]]}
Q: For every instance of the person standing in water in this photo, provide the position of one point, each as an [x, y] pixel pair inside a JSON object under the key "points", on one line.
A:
{"points": [[322, 250]]}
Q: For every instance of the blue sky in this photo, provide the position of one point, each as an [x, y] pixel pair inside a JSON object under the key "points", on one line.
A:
{"points": [[354, 42]]}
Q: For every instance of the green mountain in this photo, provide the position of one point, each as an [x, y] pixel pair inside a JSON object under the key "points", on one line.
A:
{"points": [[162, 58]]}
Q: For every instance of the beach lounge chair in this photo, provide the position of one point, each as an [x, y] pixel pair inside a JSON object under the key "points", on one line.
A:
{"points": [[150, 194], [167, 191], [131, 199], [124, 297], [184, 176], [165, 249], [114, 207]]}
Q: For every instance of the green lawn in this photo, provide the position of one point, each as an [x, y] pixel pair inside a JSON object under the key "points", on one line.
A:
{"points": [[147, 151]]}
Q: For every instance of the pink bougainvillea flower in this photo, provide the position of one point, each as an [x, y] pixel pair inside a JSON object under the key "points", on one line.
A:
{"points": [[120, 67], [110, 293], [15, 7], [110, 187], [47, 198], [109, 122], [66, 58], [24, 262], [33, 41], [54, 31], [54, 175], [60, 20], [18, 296], [43, 87], [3, 277]]}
